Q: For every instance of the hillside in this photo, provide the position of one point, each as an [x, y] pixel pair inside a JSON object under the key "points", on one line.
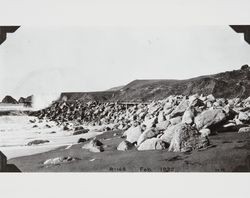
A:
{"points": [[228, 84]]}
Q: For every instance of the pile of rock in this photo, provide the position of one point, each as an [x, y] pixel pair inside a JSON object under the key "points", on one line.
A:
{"points": [[179, 123]]}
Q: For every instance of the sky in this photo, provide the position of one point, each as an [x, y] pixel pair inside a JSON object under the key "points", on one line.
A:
{"points": [[49, 60]]}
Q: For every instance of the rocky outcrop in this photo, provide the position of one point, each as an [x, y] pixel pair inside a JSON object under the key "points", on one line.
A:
{"points": [[9, 100]]}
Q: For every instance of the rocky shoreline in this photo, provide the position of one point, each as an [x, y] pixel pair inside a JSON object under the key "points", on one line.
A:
{"points": [[177, 123]]}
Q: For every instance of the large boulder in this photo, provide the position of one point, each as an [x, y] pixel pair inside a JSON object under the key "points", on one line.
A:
{"points": [[125, 146], [210, 118], [94, 145], [169, 132], [153, 132], [187, 138], [153, 144], [133, 133]]}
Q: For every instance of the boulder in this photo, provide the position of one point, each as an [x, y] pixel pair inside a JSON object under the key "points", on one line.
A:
{"points": [[175, 120], [210, 118], [3, 162], [211, 98], [193, 98], [169, 132], [187, 138], [163, 125], [243, 116], [149, 123], [47, 126], [181, 108], [238, 122], [133, 133], [81, 131], [196, 102], [153, 132], [205, 132], [244, 130], [161, 117], [36, 142], [125, 146], [94, 146], [81, 140], [188, 116], [59, 160], [153, 144]]}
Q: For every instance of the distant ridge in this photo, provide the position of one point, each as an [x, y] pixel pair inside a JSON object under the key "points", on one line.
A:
{"points": [[229, 84]]}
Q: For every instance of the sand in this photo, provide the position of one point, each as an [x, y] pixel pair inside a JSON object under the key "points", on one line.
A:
{"points": [[230, 153]]}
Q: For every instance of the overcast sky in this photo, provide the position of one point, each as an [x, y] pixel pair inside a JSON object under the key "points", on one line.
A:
{"points": [[40, 60]]}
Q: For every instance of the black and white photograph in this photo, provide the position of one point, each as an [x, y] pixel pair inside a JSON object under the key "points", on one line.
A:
{"points": [[125, 99], [136, 98]]}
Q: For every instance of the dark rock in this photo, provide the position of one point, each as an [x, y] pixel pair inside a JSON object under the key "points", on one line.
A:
{"points": [[81, 131], [81, 140], [36, 142], [47, 126], [65, 128], [9, 100], [244, 67]]}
